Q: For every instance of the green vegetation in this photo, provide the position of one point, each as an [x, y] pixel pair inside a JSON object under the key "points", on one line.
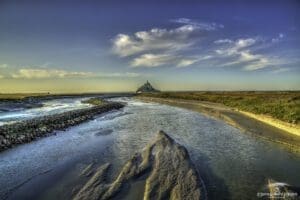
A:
{"points": [[20, 96], [95, 101], [284, 106]]}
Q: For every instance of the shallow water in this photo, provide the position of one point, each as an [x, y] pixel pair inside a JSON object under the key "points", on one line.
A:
{"points": [[232, 164], [49, 107]]}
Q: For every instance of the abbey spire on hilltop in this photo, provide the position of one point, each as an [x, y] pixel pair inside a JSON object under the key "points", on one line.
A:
{"points": [[147, 87]]}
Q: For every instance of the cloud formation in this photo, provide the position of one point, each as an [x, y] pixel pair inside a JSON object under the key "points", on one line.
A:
{"points": [[3, 66], [159, 46], [278, 38], [200, 25], [157, 60], [47, 73], [154, 39], [178, 47], [240, 54]]}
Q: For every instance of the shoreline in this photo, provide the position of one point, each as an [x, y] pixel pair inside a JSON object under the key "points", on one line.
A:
{"points": [[29, 130], [247, 122], [288, 127]]}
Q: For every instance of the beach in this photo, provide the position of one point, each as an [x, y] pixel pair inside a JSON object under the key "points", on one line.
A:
{"points": [[260, 126]]}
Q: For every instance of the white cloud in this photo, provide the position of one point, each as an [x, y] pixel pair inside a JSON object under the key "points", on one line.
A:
{"points": [[186, 62], [40, 73], [152, 60], [157, 60], [240, 54], [200, 25], [159, 46], [44, 73], [116, 75], [257, 64], [281, 70], [223, 41], [172, 47], [278, 38], [155, 39], [236, 47], [3, 66]]}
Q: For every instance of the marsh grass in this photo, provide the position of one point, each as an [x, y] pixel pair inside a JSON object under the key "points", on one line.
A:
{"points": [[94, 101], [281, 105]]}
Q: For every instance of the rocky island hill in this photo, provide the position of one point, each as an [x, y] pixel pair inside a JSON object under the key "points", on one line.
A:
{"points": [[146, 88]]}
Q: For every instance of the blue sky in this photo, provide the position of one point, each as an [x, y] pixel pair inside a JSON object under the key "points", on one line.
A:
{"points": [[78, 46]]}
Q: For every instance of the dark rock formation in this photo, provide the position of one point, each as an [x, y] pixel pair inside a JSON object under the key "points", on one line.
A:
{"points": [[147, 87], [164, 165], [26, 131]]}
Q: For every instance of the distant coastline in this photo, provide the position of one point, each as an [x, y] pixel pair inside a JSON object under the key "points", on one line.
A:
{"points": [[29, 130]]}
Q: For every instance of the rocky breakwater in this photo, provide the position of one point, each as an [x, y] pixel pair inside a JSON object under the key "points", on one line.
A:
{"points": [[28, 130], [165, 168]]}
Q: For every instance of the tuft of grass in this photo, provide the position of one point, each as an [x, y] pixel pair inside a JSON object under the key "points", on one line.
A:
{"points": [[282, 105], [94, 101]]}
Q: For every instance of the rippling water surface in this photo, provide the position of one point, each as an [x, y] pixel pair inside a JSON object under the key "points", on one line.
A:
{"points": [[49, 107], [233, 165]]}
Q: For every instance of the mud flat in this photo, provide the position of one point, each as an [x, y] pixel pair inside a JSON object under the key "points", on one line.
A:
{"points": [[163, 169], [243, 121], [28, 130]]}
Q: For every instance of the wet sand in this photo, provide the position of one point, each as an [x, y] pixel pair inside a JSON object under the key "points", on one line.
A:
{"points": [[241, 120]]}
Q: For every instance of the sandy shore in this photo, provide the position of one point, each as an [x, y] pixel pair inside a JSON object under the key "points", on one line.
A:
{"points": [[261, 126]]}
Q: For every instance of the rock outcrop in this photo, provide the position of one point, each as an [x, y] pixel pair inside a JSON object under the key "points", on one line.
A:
{"points": [[147, 87], [165, 167]]}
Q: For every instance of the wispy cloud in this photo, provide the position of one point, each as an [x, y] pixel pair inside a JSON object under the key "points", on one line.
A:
{"points": [[240, 54], [155, 39], [116, 75], [200, 25], [278, 38], [223, 41], [281, 70], [157, 60], [3, 66], [158, 46], [50, 73], [176, 47], [152, 60], [47, 73]]}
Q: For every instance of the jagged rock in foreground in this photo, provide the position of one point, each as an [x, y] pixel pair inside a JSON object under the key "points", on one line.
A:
{"points": [[166, 169], [146, 88]]}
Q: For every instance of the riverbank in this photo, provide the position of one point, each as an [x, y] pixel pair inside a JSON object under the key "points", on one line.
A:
{"points": [[233, 117], [11, 102], [28, 130]]}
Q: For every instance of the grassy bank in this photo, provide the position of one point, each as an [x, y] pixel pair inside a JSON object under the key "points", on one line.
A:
{"points": [[283, 106], [285, 134], [95, 101]]}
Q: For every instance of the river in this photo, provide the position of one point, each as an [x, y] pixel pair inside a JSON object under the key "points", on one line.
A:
{"points": [[233, 165], [48, 107]]}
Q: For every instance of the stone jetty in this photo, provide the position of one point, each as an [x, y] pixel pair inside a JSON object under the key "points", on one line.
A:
{"points": [[28, 130]]}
